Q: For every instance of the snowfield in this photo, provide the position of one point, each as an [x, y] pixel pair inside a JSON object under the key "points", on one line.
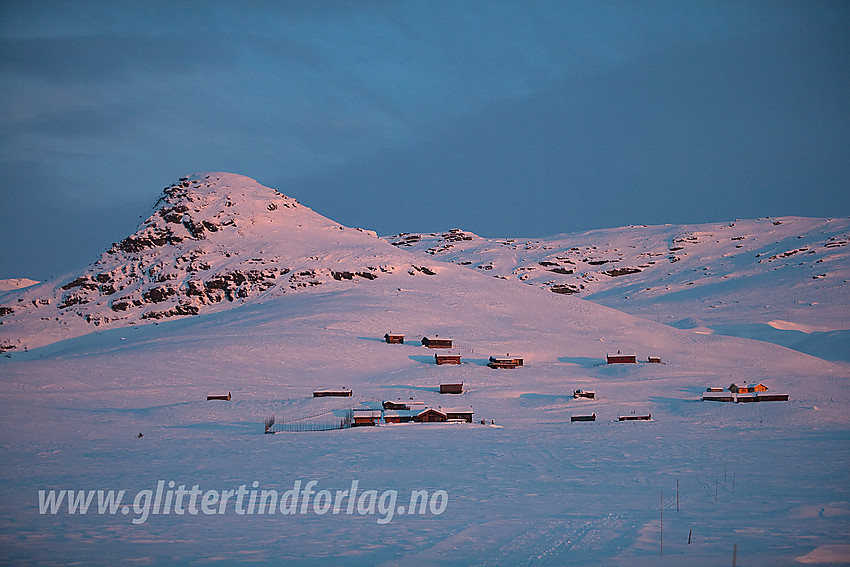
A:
{"points": [[81, 380]]}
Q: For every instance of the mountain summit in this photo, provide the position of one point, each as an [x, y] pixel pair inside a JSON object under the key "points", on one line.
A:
{"points": [[212, 239]]}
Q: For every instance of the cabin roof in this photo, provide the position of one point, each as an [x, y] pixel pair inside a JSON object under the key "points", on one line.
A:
{"points": [[426, 410], [402, 413], [366, 413], [467, 409]]}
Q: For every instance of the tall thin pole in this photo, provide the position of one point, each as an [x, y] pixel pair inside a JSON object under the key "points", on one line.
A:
{"points": [[735, 555], [662, 522], [677, 494]]}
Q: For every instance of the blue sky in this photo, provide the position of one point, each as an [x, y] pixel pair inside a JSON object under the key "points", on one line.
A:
{"points": [[504, 118]]}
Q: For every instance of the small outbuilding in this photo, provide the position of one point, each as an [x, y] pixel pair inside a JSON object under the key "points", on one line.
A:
{"points": [[715, 396], [365, 417], [591, 417], [342, 392], [447, 358], [506, 361], [589, 394], [462, 414], [394, 338], [636, 417], [436, 342], [654, 359], [456, 388], [619, 358], [224, 397]]}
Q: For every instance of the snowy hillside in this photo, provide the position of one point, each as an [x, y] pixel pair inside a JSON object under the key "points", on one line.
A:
{"points": [[271, 303], [783, 280]]}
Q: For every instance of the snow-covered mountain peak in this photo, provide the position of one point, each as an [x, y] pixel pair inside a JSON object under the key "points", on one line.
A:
{"points": [[212, 240], [196, 208]]}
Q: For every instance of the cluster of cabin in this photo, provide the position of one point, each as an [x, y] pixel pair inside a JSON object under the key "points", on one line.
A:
{"points": [[627, 417], [438, 342], [410, 412], [743, 394], [430, 342], [591, 395], [620, 358]]}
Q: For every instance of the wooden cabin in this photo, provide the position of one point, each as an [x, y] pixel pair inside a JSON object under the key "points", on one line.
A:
{"points": [[589, 394], [430, 415], [225, 397], [591, 417], [344, 393], [622, 358], [436, 342], [636, 417], [365, 417], [447, 358], [463, 414], [394, 338], [404, 405], [401, 416], [747, 389], [654, 359], [506, 361], [772, 397], [451, 388]]}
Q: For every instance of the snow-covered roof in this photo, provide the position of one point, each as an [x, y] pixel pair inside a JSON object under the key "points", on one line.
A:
{"points": [[402, 413], [426, 410], [709, 395], [467, 409], [367, 413]]}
